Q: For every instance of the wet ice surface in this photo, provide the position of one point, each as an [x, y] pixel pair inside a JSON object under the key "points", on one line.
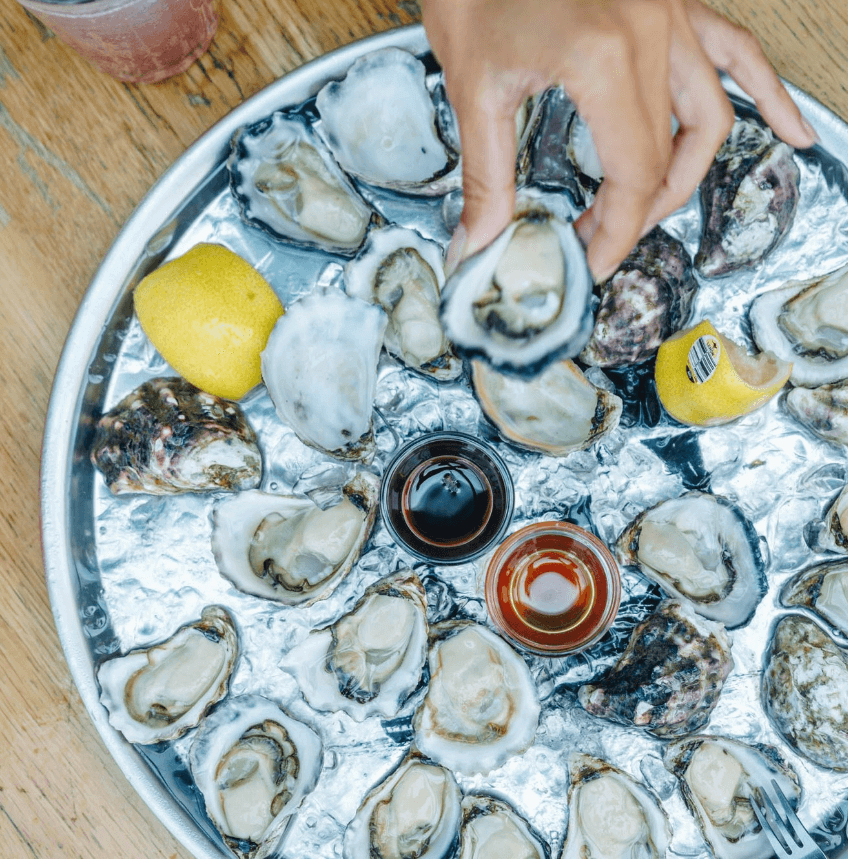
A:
{"points": [[157, 570]]}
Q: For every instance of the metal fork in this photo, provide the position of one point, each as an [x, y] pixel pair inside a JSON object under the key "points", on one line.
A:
{"points": [[786, 833]]}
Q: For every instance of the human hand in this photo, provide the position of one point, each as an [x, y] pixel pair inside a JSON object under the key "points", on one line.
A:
{"points": [[627, 65]]}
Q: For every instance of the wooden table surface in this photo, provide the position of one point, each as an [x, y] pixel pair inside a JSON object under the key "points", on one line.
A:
{"points": [[78, 151]]}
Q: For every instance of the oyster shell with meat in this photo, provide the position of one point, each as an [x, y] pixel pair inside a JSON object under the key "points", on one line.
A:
{"points": [[611, 815], [159, 692], [832, 534], [822, 410], [702, 549], [371, 659], [749, 197], [493, 829], [669, 677], [287, 548], [556, 412], [805, 691], [823, 589], [167, 437], [718, 778], [254, 764], [481, 705]]}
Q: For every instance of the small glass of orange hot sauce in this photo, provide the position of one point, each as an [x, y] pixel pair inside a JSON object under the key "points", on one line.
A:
{"points": [[553, 588]]}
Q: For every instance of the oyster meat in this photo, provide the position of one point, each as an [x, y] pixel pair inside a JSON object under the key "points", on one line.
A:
{"points": [[647, 300], [286, 182], [822, 410], [481, 705], [611, 815], [167, 437], [805, 691], [555, 412], [254, 764], [403, 273], [320, 368], [718, 777], [493, 829], [832, 535], [382, 125], [823, 589], [702, 549], [414, 813], [159, 692], [669, 676], [285, 547], [524, 300], [371, 659], [806, 323]]}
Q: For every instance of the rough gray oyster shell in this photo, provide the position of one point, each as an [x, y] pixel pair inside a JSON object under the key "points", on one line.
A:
{"points": [[749, 197], [167, 437], [805, 691], [647, 300], [669, 676], [493, 829], [822, 410], [823, 589]]}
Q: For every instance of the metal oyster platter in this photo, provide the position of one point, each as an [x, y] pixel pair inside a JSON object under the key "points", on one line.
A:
{"points": [[127, 571]]}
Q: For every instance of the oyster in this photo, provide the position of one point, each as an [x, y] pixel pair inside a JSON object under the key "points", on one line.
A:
{"points": [[823, 589], [254, 764], [832, 536], [702, 549], [493, 829], [371, 659], [414, 813], [749, 197], [805, 692], [524, 300], [285, 547], [381, 124], [286, 182], [806, 323], [611, 815], [669, 677], [320, 368], [556, 412], [481, 706], [404, 273], [823, 410], [647, 300], [718, 776], [167, 437], [159, 692]]}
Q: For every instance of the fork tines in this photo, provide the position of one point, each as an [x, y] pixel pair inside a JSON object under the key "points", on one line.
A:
{"points": [[784, 830]]}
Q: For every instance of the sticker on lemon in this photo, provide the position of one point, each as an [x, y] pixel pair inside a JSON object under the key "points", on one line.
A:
{"points": [[705, 379], [209, 313]]}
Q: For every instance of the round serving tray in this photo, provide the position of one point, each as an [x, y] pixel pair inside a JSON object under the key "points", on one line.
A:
{"points": [[82, 386]]}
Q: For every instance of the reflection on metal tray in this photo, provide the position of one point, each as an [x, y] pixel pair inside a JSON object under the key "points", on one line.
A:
{"points": [[103, 554]]}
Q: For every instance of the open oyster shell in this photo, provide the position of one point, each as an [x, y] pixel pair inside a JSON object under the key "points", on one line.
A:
{"points": [[718, 776], [702, 549], [286, 182], [493, 829], [382, 125], [669, 676], [159, 692], [371, 659], [285, 547], [481, 705], [805, 691], [167, 437], [749, 197], [413, 812], [524, 300], [823, 589], [320, 368], [556, 412], [403, 273], [806, 323], [254, 764], [832, 533], [610, 814], [822, 410]]}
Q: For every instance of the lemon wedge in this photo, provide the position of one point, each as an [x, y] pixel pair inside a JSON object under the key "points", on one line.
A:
{"points": [[705, 379], [209, 313]]}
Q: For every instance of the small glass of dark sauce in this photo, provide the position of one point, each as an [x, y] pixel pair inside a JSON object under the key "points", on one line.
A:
{"points": [[447, 497]]}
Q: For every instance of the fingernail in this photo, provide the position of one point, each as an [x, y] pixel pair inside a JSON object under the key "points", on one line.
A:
{"points": [[456, 249], [810, 130]]}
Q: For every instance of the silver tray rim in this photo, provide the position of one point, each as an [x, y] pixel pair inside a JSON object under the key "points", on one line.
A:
{"points": [[165, 199]]}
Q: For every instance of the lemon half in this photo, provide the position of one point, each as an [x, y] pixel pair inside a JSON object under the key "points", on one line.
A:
{"points": [[705, 379], [209, 313]]}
